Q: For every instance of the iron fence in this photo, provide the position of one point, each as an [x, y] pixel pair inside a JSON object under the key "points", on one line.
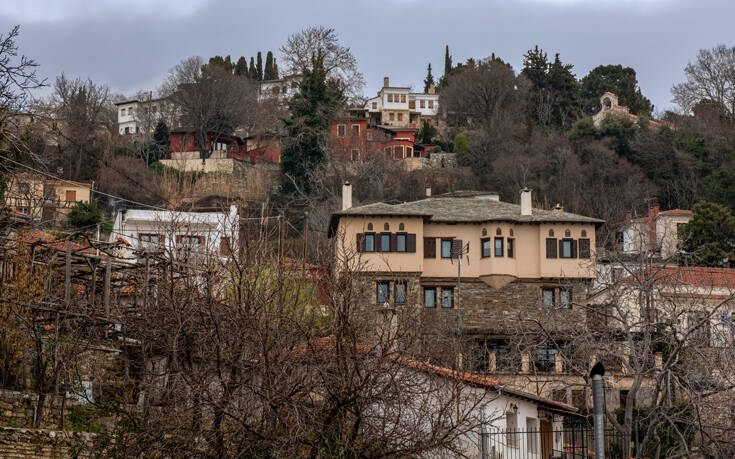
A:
{"points": [[575, 442]]}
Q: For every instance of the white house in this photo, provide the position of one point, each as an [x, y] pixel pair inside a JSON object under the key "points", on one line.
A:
{"points": [[399, 107], [282, 89], [140, 115], [173, 231]]}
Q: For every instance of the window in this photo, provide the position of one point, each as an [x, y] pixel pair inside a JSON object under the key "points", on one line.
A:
{"points": [[412, 104], [341, 130], [391, 116], [387, 151], [550, 247], [71, 196], [355, 130], [386, 226], [584, 233], [369, 135], [429, 247], [532, 433], [486, 247], [431, 104], [403, 98], [584, 248], [122, 112], [150, 238], [398, 152], [422, 104], [370, 242], [566, 248], [624, 398], [430, 297], [225, 249], [545, 358], [567, 233], [401, 242], [399, 291], [355, 154], [499, 247], [498, 232], [565, 298], [127, 130], [400, 117], [447, 297], [401, 226], [390, 97], [381, 292], [375, 105], [446, 248], [191, 241], [511, 248], [698, 325], [547, 297], [500, 348], [385, 242], [511, 429]]}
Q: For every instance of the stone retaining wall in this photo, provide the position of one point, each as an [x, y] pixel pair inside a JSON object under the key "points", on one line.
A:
{"points": [[45, 444]]}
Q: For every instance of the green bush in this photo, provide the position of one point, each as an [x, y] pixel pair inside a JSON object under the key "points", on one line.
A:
{"points": [[84, 215]]}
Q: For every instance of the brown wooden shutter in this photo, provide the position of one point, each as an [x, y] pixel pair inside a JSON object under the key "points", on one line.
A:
{"points": [[393, 242], [179, 238], [561, 248], [429, 247], [457, 246], [411, 243], [201, 240], [584, 248], [574, 248], [551, 247], [360, 242]]}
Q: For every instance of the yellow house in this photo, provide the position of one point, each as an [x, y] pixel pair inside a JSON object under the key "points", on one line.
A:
{"points": [[44, 199]]}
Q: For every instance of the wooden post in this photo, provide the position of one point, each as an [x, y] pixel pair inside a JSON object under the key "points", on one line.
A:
{"points": [[67, 278], [108, 273]]}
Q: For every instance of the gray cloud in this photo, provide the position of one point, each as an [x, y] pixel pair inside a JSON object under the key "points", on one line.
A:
{"points": [[131, 45]]}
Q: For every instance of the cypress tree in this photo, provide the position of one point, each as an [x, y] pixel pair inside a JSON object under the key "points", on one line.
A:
{"points": [[253, 73], [312, 110], [447, 61], [275, 69], [259, 67], [268, 75], [429, 81], [241, 68]]}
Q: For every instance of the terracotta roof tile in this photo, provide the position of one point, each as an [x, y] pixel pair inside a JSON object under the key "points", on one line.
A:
{"points": [[694, 276]]}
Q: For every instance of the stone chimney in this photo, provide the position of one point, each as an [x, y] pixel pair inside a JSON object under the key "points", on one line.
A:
{"points": [[526, 208], [346, 196], [428, 191], [386, 82]]}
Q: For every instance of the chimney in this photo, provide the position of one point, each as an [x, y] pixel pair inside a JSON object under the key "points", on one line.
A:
{"points": [[428, 191], [526, 201], [386, 82], [346, 196], [432, 89], [628, 217], [558, 207]]}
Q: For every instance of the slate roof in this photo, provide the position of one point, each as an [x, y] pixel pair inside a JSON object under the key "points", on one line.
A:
{"points": [[465, 208]]}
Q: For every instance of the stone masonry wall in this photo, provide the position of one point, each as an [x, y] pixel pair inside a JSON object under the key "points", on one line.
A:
{"points": [[17, 443]]}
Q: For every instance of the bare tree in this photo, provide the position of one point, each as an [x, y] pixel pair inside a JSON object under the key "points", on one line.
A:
{"points": [[210, 99], [339, 62], [710, 78]]}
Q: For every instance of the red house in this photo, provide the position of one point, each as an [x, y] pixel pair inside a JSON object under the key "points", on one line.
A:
{"points": [[360, 140]]}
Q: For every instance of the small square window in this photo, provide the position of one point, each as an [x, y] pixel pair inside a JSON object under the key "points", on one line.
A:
{"points": [[400, 117], [375, 105], [430, 297], [547, 295], [447, 297], [369, 242], [446, 248], [381, 290], [400, 242], [499, 247], [400, 290], [391, 116], [486, 248]]}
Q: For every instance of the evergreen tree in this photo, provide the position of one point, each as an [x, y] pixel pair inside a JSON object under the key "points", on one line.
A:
{"points": [[709, 237], [429, 81], [447, 61], [241, 68], [275, 69], [161, 137], [312, 111], [259, 67], [268, 75], [616, 79], [253, 72], [564, 89]]}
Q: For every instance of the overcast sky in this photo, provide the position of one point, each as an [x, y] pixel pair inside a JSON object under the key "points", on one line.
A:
{"points": [[131, 44]]}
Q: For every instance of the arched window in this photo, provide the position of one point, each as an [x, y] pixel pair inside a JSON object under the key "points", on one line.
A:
{"points": [[370, 226], [386, 227], [511, 231], [498, 231], [584, 233], [567, 233], [606, 102], [551, 233], [484, 231], [401, 227]]}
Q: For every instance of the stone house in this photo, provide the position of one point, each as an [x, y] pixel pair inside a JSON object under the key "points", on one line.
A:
{"points": [[43, 199], [397, 106], [521, 267]]}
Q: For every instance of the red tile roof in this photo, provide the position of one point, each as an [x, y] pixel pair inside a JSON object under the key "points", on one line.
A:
{"points": [[676, 212], [694, 276]]}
